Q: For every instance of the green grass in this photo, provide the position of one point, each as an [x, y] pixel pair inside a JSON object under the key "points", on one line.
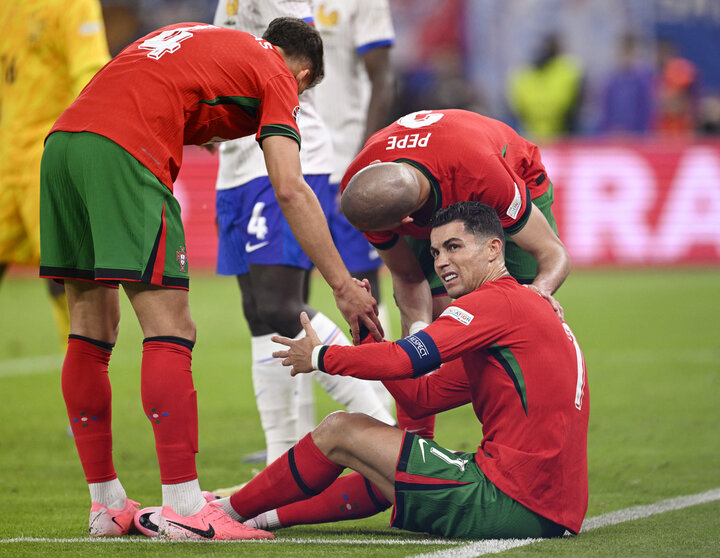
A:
{"points": [[651, 339]]}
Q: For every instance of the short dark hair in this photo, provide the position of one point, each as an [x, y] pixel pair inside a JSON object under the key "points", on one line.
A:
{"points": [[298, 39], [478, 218]]}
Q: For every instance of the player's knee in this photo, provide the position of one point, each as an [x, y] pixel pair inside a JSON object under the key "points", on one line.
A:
{"points": [[332, 435], [282, 317], [252, 316], [327, 434]]}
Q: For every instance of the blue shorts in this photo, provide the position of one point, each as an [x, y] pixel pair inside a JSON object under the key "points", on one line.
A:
{"points": [[357, 253], [253, 230]]}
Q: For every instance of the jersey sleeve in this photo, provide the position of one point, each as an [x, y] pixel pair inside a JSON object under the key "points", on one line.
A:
{"points": [[472, 322], [372, 27], [85, 44], [279, 109], [441, 390]]}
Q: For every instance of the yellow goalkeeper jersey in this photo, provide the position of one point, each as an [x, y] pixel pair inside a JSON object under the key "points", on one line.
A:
{"points": [[49, 50]]}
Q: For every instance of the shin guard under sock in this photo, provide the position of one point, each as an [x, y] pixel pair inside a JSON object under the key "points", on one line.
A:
{"points": [[301, 473], [349, 497], [88, 398], [170, 403]]}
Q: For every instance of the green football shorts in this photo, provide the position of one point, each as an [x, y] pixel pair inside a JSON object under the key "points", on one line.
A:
{"points": [[521, 265], [444, 493], [105, 217]]}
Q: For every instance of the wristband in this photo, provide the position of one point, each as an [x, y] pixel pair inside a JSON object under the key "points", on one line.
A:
{"points": [[417, 326], [316, 356]]}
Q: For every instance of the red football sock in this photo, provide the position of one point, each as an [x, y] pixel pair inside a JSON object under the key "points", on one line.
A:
{"points": [[349, 497], [300, 473], [87, 394], [423, 427], [170, 402]]}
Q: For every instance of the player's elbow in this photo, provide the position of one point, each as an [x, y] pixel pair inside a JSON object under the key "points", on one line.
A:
{"points": [[288, 192]]}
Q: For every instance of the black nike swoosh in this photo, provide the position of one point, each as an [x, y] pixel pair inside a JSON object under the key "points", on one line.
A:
{"points": [[208, 533], [116, 523], [144, 520]]}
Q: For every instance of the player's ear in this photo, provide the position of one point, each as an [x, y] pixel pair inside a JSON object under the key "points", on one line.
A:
{"points": [[303, 79], [496, 248]]}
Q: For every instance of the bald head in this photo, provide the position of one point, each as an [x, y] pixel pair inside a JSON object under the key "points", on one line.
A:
{"points": [[379, 196]]}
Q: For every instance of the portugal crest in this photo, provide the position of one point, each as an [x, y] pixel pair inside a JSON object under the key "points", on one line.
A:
{"points": [[181, 257]]}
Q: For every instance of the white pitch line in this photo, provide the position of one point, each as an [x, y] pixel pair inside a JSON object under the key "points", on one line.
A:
{"points": [[30, 365], [638, 512], [494, 546], [141, 540], [460, 548]]}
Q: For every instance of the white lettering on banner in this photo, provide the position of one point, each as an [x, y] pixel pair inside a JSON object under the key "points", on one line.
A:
{"points": [[408, 142], [691, 214], [608, 195]]}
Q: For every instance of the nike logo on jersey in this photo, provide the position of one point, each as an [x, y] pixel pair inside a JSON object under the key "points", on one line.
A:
{"points": [[252, 247], [208, 533], [422, 444], [144, 520]]}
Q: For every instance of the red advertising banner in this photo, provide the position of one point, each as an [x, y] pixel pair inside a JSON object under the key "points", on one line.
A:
{"points": [[646, 202]]}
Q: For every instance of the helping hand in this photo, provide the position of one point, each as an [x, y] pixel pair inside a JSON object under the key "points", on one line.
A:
{"points": [[549, 297], [299, 354], [359, 307]]}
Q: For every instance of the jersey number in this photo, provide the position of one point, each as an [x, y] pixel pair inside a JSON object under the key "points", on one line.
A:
{"points": [[169, 41], [580, 386], [258, 224]]}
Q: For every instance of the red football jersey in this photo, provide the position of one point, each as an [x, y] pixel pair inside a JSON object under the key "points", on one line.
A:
{"points": [[466, 157], [186, 84], [521, 367]]}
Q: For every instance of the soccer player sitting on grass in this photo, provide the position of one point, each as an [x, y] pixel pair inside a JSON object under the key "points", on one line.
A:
{"points": [[503, 349]]}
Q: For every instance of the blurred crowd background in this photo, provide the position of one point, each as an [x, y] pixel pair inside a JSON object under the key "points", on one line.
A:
{"points": [[551, 68]]}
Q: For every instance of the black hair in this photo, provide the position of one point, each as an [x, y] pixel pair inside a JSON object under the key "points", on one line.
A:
{"points": [[478, 218], [300, 40]]}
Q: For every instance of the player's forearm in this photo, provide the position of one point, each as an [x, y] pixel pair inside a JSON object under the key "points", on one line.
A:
{"points": [[307, 222], [374, 361], [420, 399], [381, 98], [414, 300], [382, 89], [553, 268]]}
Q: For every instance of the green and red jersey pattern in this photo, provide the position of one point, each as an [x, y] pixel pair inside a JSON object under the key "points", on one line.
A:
{"points": [[509, 355], [466, 157], [186, 84]]}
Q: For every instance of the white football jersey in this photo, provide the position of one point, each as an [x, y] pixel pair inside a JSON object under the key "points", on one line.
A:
{"points": [[241, 160], [349, 28]]}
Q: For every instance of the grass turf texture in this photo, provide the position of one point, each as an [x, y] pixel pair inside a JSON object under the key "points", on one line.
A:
{"points": [[651, 339]]}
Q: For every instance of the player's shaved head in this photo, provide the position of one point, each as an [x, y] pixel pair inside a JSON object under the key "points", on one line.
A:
{"points": [[380, 196]]}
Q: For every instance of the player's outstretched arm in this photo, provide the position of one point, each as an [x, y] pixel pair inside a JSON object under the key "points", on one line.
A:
{"points": [[307, 222]]}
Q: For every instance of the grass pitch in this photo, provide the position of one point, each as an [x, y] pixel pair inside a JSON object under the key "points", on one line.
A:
{"points": [[651, 339]]}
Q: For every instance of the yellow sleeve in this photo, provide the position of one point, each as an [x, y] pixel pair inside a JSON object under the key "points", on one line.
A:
{"points": [[84, 40]]}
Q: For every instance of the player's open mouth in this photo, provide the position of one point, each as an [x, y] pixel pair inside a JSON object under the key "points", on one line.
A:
{"points": [[449, 277]]}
